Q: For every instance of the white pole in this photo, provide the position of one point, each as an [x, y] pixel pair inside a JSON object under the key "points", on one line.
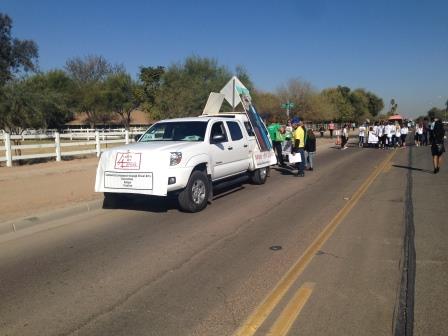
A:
{"points": [[233, 95], [8, 150], [57, 140], [98, 144], [126, 136]]}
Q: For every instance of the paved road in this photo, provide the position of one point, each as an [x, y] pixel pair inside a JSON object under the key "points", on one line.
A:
{"points": [[344, 234]]}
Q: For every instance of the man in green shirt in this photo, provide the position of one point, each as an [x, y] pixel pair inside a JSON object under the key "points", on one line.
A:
{"points": [[277, 138]]}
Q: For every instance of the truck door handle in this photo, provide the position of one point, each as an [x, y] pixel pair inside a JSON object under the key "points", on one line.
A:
{"points": [[245, 145], [229, 148]]}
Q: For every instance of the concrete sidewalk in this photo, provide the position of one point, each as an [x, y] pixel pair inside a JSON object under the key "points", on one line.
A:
{"points": [[33, 189]]}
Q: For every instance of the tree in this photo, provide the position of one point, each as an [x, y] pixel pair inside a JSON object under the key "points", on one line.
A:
{"points": [[393, 107], [123, 96], [89, 74], [19, 108], [151, 78], [360, 103], [268, 104], [39, 101], [185, 87], [339, 98], [302, 94], [436, 113], [15, 55], [375, 105]]}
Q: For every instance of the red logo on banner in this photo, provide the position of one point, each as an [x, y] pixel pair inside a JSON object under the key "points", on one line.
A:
{"points": [[128, 161]]}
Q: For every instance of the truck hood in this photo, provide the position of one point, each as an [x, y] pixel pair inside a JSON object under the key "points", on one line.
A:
{"points": [[157, 146]]}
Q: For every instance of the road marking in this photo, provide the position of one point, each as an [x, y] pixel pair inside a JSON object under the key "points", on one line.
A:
{"points": [[256, 319], [292, 310], [387, 168]]}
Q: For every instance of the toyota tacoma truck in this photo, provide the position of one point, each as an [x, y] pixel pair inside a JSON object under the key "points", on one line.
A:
{"points": [[184, 157]]}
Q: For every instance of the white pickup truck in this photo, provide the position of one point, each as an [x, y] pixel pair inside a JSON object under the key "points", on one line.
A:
{"points": [[184, 157]]}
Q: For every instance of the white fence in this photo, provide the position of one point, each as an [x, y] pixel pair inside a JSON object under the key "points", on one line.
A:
{"points": [[72, 139]]}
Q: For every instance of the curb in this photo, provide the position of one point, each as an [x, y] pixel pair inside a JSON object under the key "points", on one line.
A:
{"points": [[15, 225]]}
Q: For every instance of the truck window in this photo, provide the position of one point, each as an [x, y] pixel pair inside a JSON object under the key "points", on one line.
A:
{"points": [[218, 129], [176, 131], [249, 128], [235, 130]]}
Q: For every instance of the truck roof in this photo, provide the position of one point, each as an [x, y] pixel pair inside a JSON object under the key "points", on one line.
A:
{"points": [[223, 116]]}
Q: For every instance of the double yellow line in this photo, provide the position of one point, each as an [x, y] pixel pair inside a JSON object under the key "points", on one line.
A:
{"points": [[292, 310]]}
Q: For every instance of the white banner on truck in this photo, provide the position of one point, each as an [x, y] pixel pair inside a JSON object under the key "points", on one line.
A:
{"points": [[128, 180]]}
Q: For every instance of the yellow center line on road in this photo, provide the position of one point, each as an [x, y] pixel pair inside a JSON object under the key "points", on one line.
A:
{"points": [[260, 314], [292, 310]]}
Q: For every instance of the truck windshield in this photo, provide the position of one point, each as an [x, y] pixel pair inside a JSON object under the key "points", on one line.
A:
{"points": [[176, 131]]}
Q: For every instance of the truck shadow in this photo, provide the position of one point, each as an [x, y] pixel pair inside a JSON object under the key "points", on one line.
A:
{"points": [[164, 204], [143, 203]]}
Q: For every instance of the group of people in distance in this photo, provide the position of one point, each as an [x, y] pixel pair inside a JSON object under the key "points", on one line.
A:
{"points": [[294, 143], [384, 134]]}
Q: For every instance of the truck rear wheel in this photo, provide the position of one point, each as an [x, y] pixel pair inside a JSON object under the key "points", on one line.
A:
{"points": [[259, 176], [195, 196]]}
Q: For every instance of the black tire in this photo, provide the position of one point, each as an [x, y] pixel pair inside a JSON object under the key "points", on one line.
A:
{"points": [[259, 176], [195, 196]]}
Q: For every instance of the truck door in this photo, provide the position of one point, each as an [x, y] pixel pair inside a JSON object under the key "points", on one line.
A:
{"points": [[220, 153], [239, 148]]}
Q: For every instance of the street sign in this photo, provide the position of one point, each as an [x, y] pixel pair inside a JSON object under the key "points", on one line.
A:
{"points": [[288, 105]]}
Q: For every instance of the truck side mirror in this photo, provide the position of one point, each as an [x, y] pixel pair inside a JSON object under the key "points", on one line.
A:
{"points": [[136, 137], [217, 138]]}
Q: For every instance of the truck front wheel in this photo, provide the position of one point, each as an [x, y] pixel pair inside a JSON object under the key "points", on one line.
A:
{"points": [[195, 196], [260, 175]]}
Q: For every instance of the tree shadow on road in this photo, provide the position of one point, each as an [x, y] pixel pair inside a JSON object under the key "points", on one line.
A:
{"points": [[414, 169]]}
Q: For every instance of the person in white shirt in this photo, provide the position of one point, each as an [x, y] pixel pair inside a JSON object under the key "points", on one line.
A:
{"points": [[418, 134], [361, 135], [387, 134], [398, 135], [404, 134], [392, 135], [344, 136], [381, 136]]}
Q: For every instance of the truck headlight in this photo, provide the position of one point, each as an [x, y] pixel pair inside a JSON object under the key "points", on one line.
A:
{"points": [[175, 158]]}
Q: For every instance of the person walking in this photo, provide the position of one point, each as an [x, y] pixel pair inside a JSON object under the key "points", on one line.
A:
{"points": [[418, 134], [398, 135], [361, 135], [425, 135], [437, 145], [310, 148], [299, 145], [274, 133], [321, 131], [404, 134], [392, 137], [331, 128], [344, 137], [381, 136]]}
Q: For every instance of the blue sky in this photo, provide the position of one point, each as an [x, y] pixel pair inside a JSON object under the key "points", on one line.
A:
{"points": [[397, 49]]}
